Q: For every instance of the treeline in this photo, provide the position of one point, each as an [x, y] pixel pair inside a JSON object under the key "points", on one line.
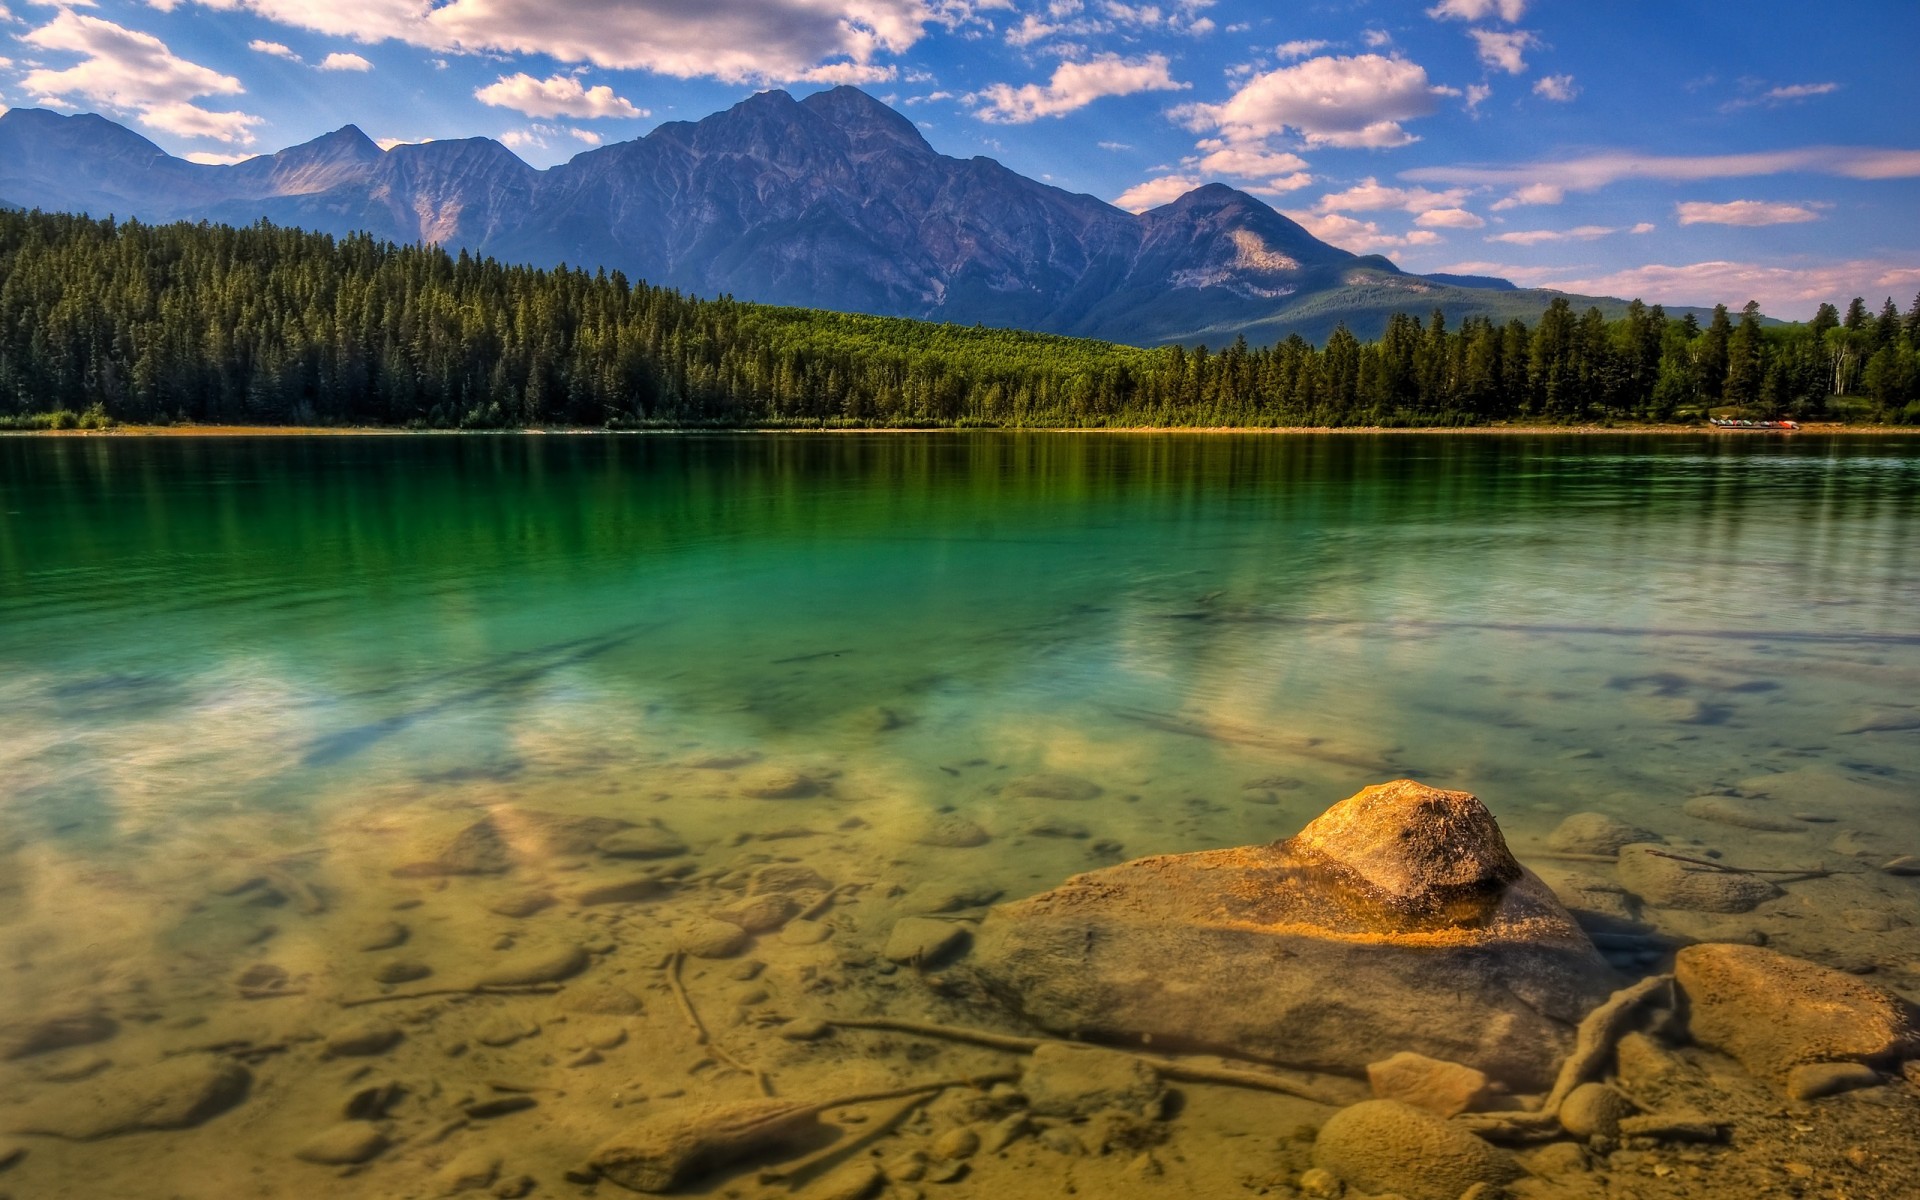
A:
{"points": [[140, 323]]}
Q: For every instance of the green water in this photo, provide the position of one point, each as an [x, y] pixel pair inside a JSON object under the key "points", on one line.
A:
{"points": [[325, 653]]}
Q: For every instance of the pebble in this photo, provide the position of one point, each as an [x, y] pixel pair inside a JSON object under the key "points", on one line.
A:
{"points": [[805, 1030], [384, 936], [1725, 810], [921, 941], [11, 1153], [1669, 883], [759, 914], [705, 937], [1062, 1141], [1596, 833], [960, 899], [1051, 786], [505, 1030], [908, 1168], [1444, 1089], [343, 1144], [785, 877], [471, 1169], [1594, 1110], [806, 933], [1560, 1158], [642, 843], [1815, 1080], [1055, 827], [962, 1142], [620, 891], [401, 970], [854, 1181], [522, 904], [1384, 1146], [1321, 1183], [951, 831], [1005, 1133], [57, 1032], [542, 966], [1076, 1081], [360, 1040], [781, 785], [499, 1106], [372, 1103]]}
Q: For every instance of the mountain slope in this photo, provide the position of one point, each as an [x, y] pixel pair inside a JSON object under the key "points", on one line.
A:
{"points": [[834, 201]]}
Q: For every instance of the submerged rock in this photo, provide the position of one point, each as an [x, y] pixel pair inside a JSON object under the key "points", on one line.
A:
{"points": [[1596, 833], [1382, 1146], [1669, 883], [536, 966], [1444, 1089], [1049, 785], [1724, 810], [1059, 1080], [175, 1094], [509, 837], [344, 1144], [61, 1031], [1396, 921], [1774, 1013]]}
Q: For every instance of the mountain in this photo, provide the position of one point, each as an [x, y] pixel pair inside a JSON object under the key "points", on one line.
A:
{"points": [[834, 201]]}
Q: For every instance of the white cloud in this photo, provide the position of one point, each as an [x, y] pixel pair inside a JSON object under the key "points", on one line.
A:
{"points": [[1599, 170], [345, 62], [1743, 212], [1281, 185], [1802, 91], [208, 158], [1347, 101], [1244, 161], [1155, 192], [1534, 237], [1074, 86], [1503, 49], [1116, 146], [388, 143], [851, 73], [275, 49], [555, 96], [1376, 38], [1533, 193], [1556, 87], [1787, 291], [542, 137], [1370, 195], [1477, 94], [1361, 237], [586, 135], [130, 71], [1288, 51], [1643, 227], [738, 41], [1478, 10], [1450, 218]]}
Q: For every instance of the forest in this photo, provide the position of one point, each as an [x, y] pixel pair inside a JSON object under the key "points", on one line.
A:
{"points": [[107, 322]]}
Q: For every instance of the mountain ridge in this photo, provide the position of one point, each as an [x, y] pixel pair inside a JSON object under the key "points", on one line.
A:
{"points": [[831, 201]]}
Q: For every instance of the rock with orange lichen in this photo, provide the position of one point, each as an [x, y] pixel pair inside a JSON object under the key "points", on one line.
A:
{"points": [[1397, 920]]}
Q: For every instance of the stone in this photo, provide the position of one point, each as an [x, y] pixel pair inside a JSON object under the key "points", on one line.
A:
{"points": [[962, 1142], [1384, 1146], [1061, 1080], [383, 936], [1047, 785], [1444, 1089], [958, 899], [1641, 1062], [602, 999], [1558, 1159], [806, 933], [1774, 1013], [468, 1171], [1669, 883], [1055, 827], [1594, 1110], [10, 1154], [535, 966], [401, 970], [780, 785], [705, 937], [853, 1181], [505, 1029], [60, 1031], [1811, 1081], [521, 904], [805, 1029], [952, 831], [176, 1093], [759, 914], [923, 942], [620, 891], [1322, 1184], [1005, 1132], [500, 1106], [785, 878], [373, 1102], [509, 837], [1595, 833], [645, 842], [1725, 810], [1324, 952], [343, 1145], [363, 1039]]}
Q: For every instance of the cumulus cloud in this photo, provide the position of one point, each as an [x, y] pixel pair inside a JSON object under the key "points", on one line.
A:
{"points": [[275, 49], [1503, 50], [1743, 212], [1155, 192], [850, 73], [1288, 51], [1361, 237], [1599, 170], [1450, 218], [555, 96], [1643, 227], [1074, 86], [208, 158], [1533, 193], [1534, 237], [739, 41], [130, 71], [1801, 91], [345, 62], [1478, 10], [1328, 101], [1555, 87], [1477, 94], [1246, 162], [1370, 195]]}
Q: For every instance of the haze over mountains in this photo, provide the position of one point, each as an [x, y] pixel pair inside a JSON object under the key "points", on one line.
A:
{"points": [[834, 201]]}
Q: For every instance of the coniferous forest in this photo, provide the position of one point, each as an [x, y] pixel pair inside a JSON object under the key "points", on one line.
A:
{"points": [[154, 324]]}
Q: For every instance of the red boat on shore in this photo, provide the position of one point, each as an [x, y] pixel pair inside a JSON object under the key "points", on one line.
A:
{"points": [[1724, 423]]}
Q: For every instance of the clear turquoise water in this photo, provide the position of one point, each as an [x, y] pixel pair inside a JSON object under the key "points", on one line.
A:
{"points": [[324, 651]]}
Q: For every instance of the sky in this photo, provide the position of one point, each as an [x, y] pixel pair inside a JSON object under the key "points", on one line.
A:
{"points": [[1685, 152]]}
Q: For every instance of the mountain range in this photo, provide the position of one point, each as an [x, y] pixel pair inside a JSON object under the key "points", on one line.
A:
{"points": [[833, 201]]}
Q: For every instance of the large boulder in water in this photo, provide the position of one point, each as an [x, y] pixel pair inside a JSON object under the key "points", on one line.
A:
{"points": [[1397, 920]]}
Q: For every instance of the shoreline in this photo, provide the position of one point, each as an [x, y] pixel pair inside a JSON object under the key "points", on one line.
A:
{"points": [[241, 431]]}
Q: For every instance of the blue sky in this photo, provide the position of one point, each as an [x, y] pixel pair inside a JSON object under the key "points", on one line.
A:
{"points": [[1684, 152]]}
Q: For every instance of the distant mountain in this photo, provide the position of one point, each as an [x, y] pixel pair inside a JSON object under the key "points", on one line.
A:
{"points": [[1475, 281], [834, 201]]}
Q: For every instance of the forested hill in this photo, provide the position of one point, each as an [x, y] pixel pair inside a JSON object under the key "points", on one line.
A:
{"points": [[141, 323]]}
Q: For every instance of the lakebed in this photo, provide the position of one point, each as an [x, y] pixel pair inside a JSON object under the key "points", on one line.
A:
{"points": [[662, 740]]}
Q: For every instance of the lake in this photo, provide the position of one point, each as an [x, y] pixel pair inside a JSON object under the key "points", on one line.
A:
{"points": [[295, 721]]}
